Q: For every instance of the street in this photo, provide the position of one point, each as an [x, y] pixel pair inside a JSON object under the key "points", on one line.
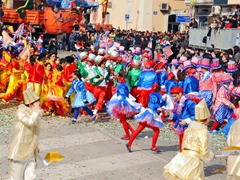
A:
{"points": [[95, 151]]}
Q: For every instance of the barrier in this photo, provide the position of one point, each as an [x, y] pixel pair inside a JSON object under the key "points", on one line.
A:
{"points": [[222, 39]]}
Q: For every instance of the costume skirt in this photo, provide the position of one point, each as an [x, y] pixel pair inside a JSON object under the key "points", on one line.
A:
{"points": [[223, 112], [208, 96], [78, 101], [186, 165], [150, 117], [127, 106]]}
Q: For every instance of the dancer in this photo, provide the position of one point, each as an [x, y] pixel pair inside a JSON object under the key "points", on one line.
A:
{"points": [[184, 112], [147, 83], [233, 162], [121, 106], [82, 97], [223, 107], [188, 164], [24, 146], [207, 83], [149, 118]]}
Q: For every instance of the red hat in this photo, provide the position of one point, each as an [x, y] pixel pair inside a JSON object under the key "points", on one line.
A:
{"points": [[170, 76], [176, 90], [205, 63], [232, 67], [191, 71], [145, 51], [236, 91], [216, 64], [119, 59], [226, 78], [148, 64], [159, 65]]}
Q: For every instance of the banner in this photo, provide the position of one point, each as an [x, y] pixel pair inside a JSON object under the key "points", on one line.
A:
{"points": [[6, 38]]}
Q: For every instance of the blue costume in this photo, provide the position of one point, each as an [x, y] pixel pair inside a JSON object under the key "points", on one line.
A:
{"points": [[150, 115], [122, 103], [169, 84], [161, 76], [185, 110], [147, 79], [190, 84], [147, 84], [82, 98]]}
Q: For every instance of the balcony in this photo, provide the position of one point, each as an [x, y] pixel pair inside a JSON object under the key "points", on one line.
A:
{"points": [[199, 2]]}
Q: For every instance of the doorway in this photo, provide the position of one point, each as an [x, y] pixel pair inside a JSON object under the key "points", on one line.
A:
{"points": [[173, 26]]}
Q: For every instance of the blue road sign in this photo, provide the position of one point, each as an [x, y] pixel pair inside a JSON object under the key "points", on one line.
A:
{"points": [[127, 16], [155, 13], [182, 19]]}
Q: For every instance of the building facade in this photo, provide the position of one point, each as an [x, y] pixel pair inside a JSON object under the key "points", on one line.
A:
{"points": [[152, 15], [205, 11]]}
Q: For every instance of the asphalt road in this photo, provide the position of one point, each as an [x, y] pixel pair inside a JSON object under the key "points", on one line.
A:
{"points": [[95, 151]]}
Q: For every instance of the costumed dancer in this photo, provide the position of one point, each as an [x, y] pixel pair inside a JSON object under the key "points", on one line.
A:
{"points": [[133, 76], [207, 83], [5, 68], [82, 96], [14, 87], [56, 93], [233, 162], [37, 74], [161, 75], [188, 164], [52, 59], [184, 112], [190, 83], [99, 82], [121, 106], [67, 74], [217, 71], [110, 66], [147, 83], [45, 102], [149, 117], [86, 66], [223, 108], [116, 72], [22, 152], [170, 83]]}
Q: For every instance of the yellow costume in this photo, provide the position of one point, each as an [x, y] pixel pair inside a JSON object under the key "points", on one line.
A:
{"points": [[188, 164], [233, 162], [24, 145], [14, 87]]}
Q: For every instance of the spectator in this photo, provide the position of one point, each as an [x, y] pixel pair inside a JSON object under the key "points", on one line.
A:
{"points": [[60, 41], [71, 41], [234, 21], [236, 54], [52, 47], [137, 40], [193, 23], [144, 43], [226, 23], [64, 40]]}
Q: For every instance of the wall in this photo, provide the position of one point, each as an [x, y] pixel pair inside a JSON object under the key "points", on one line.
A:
{"points": [[141, 13], [233, 2]]}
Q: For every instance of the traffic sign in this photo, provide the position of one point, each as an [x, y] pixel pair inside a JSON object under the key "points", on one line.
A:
{"points": [[155, 12], [127, 16], [182, 19]]}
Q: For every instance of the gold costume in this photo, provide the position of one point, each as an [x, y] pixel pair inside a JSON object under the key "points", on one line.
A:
{"points": [[24, 144], [188, 164], [233, 162]]}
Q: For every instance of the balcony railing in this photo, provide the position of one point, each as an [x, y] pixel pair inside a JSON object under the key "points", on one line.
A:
{"points": [[199, 2]]}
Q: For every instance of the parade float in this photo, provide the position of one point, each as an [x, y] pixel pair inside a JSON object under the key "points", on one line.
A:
{"points": [[51, 16]]}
